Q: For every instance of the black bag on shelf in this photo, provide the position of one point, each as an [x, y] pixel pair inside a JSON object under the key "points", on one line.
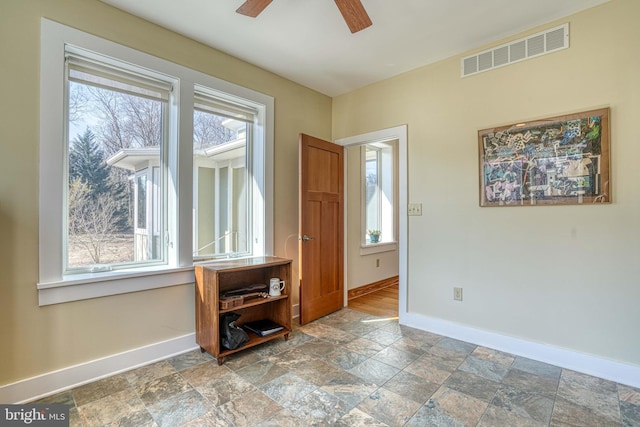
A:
{"points": [[231, 336]]}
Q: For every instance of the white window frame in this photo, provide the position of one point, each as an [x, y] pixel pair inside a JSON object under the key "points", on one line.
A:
{"points": [[386, 183], [365, 149], [53, 286], [222, 99]]}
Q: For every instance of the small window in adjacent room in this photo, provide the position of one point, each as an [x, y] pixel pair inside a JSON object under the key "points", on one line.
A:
{"points": [[379, 206]]}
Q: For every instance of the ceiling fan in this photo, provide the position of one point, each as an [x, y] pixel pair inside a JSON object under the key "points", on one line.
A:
{"points": [[352, 11]]}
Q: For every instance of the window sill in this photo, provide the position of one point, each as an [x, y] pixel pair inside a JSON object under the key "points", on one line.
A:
{"points": [[374, 248], [95, 285]]}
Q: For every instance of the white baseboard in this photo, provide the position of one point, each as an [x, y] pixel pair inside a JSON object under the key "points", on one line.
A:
{"points": [[619, 372], [64, 379]]}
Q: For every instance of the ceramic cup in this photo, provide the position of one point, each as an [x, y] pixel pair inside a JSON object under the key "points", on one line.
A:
{"points": [[276, 286]]}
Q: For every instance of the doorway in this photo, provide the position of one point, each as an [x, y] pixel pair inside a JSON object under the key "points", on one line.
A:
{"points": [[376, 257]]}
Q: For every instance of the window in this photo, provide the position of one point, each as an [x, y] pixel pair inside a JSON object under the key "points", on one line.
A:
{"points": [[116, 120], [373, 192], [222, 133], [378, 193], [146, 166]]}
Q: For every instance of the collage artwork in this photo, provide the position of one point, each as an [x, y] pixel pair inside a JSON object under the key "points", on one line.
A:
{"points": [[563, 160]]}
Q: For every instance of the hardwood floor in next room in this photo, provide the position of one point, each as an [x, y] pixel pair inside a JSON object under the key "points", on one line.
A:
{"points": [[381, 303]]}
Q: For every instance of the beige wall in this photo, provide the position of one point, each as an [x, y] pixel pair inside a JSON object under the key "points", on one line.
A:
{"points": [[34, 339], [362, 269], [562, 275]]}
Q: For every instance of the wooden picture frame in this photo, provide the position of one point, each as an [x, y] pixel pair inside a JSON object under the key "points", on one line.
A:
{"points": [[562, 160]]}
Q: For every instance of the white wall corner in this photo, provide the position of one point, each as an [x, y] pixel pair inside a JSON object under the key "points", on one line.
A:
{"points": [[612, 370]]}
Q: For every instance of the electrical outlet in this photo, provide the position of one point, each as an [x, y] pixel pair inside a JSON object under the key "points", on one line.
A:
{"points": [[414, 209], [457, 294]]}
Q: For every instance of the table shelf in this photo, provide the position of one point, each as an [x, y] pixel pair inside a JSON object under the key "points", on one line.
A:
{"points": [[216, 278]]}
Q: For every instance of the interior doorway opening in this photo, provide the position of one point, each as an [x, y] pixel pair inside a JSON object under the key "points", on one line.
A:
{"points": [[376, 200]]}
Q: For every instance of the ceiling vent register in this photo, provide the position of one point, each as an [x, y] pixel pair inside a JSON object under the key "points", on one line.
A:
{"points": [[548, 41]]}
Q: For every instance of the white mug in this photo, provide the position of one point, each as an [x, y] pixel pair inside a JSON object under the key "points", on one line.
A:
{"points": [[276, 286]]}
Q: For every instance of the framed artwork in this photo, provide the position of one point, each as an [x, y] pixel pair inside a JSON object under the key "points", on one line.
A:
{"points": [[561, 160]]}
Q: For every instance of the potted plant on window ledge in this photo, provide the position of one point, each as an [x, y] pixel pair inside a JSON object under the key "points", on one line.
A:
{"points": [[374, 235]]}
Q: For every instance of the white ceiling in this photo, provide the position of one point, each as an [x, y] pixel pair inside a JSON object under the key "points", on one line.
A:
{"points": [[307, 41]]}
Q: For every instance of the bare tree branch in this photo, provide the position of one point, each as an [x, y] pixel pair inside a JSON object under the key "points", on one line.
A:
{"points": [[91, 221]]}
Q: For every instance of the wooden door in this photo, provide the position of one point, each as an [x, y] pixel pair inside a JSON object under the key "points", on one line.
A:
{"points": [[321, 222]]}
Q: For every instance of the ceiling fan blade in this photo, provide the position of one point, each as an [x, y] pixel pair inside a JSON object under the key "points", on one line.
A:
{"points": [[253, 8], [354, 14]]}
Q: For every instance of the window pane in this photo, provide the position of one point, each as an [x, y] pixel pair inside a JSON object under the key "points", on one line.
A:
{"points": [[221, 177], [372, 183], [114, 206], [378, 197], [141, 189]]}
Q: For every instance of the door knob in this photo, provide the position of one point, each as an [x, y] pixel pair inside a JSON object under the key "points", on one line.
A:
{"points": [[306, 238]]}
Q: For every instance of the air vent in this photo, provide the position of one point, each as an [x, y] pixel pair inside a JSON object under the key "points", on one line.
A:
{"points": [[548, 41]]}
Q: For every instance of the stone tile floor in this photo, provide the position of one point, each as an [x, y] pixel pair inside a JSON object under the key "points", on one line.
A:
{"points": [[353, 369]]}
